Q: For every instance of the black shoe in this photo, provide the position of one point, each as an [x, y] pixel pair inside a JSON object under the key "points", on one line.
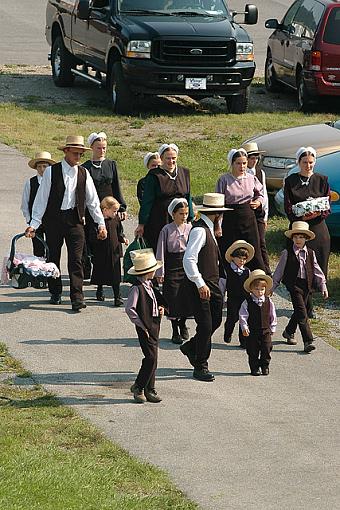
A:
{"points": [[256, 372], [100, 296], [227, 339], [78, 305], [190, 355], [203, 374], [289, 337], [265, 370], [242, 345], [119, 301], [183, 330], [309, 347], [176, 339], [55, 299]]}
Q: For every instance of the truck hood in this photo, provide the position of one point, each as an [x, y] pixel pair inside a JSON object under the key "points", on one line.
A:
{"points": [[151, 27]]}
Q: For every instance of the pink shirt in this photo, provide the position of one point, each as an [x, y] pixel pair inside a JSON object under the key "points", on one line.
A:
{"points": [[132, 300], [244, 314], [172, 239], [240, 191]]}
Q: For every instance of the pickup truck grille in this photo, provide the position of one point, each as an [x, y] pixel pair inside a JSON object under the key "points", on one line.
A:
{"points": [[194, 53]]}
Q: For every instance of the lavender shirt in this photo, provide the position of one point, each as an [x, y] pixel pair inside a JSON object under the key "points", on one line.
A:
{"points": [[172, 239], [244, 314], [302, 257], [131, 303], [240, 191]]}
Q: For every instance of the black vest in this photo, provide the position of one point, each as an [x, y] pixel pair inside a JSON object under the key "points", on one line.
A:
{"points": [[235, 283], [292, 269], [144, 308], [208, 257], [57, 191], [34, 186], [258, 320]]}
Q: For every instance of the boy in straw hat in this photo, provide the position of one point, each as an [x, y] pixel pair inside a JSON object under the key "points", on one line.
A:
{"points": [[145, 307], [299, 270], [200, 294], [258, 321], [39, 163], [237, 255], [65, 191]]}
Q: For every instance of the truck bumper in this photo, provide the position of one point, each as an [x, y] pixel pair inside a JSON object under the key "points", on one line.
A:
{"points": [[145, 77]]}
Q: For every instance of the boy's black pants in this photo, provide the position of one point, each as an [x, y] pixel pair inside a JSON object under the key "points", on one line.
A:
{"points": [[300, 296], [259, 346], [149, 346]]}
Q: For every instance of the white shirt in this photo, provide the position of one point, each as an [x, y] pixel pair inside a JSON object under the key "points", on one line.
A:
{"points": [[25, 198], [197, 240], [265, 203], [70, 175]]}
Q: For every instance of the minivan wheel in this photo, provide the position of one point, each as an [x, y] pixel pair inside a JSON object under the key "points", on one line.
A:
{"points": [[304, 101], [270, 80], [121, 98], [61, 62], [239, 103]]}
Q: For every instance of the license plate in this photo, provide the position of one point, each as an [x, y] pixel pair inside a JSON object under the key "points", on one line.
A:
{"points": [[196, 83]]}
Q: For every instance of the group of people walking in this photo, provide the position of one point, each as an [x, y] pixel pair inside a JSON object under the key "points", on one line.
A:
{"points": [[195, 255]]}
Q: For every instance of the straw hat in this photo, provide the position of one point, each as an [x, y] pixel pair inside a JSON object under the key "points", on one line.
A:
{"points": [[41, 157], [143, 261], [240, 244], [300, 227], [258, 274], [212, 202], [252, 148], [74, 141]]}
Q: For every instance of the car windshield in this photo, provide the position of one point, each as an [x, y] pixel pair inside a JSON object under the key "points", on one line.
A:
{"points": [[174, 7]]}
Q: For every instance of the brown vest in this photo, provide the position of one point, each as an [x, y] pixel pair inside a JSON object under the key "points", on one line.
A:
{"points": [[173, 188], [258, 320], [208, 257], [57, 191], [292, 267], [144, 308]]}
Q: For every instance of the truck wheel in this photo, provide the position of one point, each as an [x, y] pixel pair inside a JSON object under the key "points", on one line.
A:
{"points": [[239, 103], [61, 62], [122, 99], [303, 98], [271, 82]]}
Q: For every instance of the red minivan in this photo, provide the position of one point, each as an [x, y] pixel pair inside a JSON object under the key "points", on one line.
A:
{"points": [[304, 51]]}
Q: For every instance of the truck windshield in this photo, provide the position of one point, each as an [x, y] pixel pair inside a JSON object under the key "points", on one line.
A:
{"points": [[175, 7]]}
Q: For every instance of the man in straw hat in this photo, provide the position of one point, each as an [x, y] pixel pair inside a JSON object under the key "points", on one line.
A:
{"points": [[65, 191], [145, 307], [200, 294], [299, 270], [258, 321], [39, 163]]}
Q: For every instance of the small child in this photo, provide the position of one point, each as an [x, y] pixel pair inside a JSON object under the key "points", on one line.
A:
{"points": [[237, 255], [151, 161], [300, 272], [258, 321], [107, 252], [39, 163], [145, 308], [171, 246]]}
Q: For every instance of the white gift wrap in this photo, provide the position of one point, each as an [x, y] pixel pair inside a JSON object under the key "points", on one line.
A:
{"points": [[311, 205]]}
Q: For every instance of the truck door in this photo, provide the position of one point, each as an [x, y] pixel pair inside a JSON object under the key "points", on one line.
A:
{"points": [[98, 33]]}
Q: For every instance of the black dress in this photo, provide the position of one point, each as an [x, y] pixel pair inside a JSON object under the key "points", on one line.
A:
{"points": [[295, 191], [106, 180]]}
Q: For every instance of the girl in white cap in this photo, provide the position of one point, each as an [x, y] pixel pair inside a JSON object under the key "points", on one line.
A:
{"points": [[151, 161], [171, 246]]}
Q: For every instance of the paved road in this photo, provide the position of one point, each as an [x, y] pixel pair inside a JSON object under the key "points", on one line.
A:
{"points": [[241, 442], [22, 25]]}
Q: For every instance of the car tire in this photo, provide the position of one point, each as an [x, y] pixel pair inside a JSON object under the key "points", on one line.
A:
{"points": [[61, 62], [271, 82], [303, 97], [121, 98], [239, 103]]}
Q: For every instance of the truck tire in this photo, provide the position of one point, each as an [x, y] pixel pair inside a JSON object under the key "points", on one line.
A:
{"points": [[271, 82], [239, 103], [61, 62], [303, 98], [121, 98]]}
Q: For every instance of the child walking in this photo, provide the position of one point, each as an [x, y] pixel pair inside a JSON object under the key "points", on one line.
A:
{"points": [[300, 272], [107, 253], [171, 246], [145, 308], [237, 255], [258, 321]]}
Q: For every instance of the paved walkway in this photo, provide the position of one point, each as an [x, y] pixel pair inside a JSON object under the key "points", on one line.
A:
{"points": [[238, 443]]}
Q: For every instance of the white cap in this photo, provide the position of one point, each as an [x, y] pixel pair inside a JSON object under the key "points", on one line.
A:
{"points": [[167, 146], [95, 136], [301, 150], [148, 156], [231, 153], [174, 203]]}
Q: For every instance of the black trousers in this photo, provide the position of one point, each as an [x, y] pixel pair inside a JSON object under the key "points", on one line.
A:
{"points": [[208, 317], [264, 252], [233, 308], [149, 345], [300, 297], [38, 247], [259, 346], [67, 228]]}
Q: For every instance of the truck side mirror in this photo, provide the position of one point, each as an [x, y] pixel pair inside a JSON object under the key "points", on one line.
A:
{"points": [[83, 9], [272, 23], [251, 14]]}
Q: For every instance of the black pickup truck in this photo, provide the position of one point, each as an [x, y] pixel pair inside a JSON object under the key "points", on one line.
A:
{"points": [[154, 47]]}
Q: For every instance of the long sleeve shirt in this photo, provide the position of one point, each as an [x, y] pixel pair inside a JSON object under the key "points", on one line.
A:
{"points": [[244, 314], [265, 203], [25, 198], [302, 257], [196, 242], [172, 239], [70, 176], [132, 300], [240, 190]]}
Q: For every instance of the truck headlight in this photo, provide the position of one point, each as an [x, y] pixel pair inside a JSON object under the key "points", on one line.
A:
{"points": [[244, 51], [139, 49]]}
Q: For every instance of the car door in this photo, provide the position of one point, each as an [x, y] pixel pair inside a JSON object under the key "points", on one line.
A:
{"points": [[98, 33]]}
